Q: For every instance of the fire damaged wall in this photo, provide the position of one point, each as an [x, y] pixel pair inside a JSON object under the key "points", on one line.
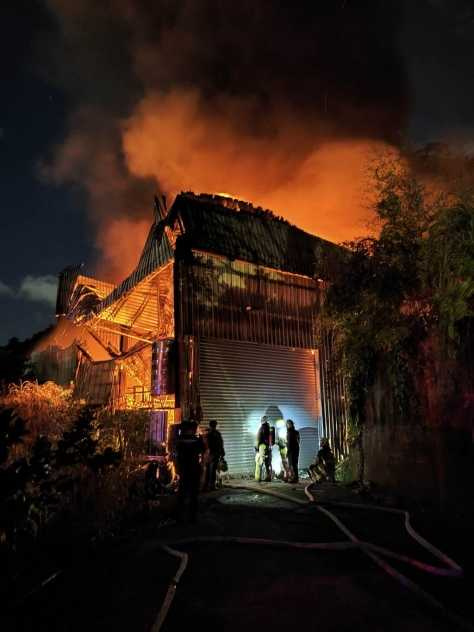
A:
{"points": [[241, 301]]}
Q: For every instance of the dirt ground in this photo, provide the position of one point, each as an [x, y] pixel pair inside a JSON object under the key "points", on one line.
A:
{"points": [[235, 587]]}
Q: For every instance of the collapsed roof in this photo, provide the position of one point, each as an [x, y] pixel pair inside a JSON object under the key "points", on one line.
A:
{"points": [[223, 226]]}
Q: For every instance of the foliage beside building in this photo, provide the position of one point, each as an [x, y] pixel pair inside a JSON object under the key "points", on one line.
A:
{"points": [[403, 310]]}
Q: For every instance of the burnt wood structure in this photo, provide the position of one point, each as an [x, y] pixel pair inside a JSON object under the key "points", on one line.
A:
{"points": [[219, 320]]}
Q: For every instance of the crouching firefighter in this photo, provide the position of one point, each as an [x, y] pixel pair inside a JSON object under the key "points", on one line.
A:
{"points": [[324, 467], [263, 451]]}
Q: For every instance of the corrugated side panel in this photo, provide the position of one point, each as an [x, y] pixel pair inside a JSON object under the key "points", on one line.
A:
{"points": [[241, 381]]}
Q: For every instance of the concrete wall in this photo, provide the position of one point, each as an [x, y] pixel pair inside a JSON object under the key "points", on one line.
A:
{"points": [[428, 457], [433, 465]]}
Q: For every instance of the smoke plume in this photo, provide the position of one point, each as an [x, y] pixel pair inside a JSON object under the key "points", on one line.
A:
{"points": [[280, 105]]}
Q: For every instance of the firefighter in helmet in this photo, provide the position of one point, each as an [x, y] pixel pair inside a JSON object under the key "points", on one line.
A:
{"points": [[263, 451], [293, 450], [283, 449], [189, 449], [324, 467]]}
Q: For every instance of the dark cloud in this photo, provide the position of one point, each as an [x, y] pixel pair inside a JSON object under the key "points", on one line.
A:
{"points": [[41, 289], [281, 103], [91, 156], [335, 61], [438, 53], [5, 290], [294, 91]]}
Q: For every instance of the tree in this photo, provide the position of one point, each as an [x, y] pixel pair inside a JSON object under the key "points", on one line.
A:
{"points": [[403, 303]]}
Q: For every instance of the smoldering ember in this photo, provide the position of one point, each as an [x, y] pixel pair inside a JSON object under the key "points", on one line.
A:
{"points": [[251, 409]]}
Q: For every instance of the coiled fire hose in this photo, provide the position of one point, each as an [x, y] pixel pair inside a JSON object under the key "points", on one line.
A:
{"points": [[373, 551]]}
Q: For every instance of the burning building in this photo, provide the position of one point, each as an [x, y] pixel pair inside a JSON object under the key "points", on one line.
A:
{"points": [[219, 319]]}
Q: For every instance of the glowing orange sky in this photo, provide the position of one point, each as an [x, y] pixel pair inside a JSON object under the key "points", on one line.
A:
{"points": [[318, 185]]}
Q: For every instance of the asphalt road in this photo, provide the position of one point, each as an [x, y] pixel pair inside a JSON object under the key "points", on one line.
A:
{"points": [[244, 587]]}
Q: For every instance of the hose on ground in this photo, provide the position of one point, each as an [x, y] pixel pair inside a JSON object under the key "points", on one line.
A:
{"points": [[402, 579], [453, 570], [371, 550], [170, 593], [285, 544]]}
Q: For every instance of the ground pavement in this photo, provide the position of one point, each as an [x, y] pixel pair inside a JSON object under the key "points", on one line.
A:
{"points": [[230, 586]]}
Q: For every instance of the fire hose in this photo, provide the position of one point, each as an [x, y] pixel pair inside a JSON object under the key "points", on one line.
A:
{"points": [[373, 551], [454, 569], [170, 593]]}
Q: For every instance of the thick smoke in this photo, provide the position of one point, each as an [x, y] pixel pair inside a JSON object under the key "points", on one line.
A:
{"points": [[280, 105], [91, 157], [317, 184]]}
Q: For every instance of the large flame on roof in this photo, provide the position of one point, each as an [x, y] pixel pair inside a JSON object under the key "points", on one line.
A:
{"points": [[228, 195]]}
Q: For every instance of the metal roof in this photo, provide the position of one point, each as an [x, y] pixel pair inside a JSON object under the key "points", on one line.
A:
{"points": [[78, 293], [66, 283], [146, 307], [238, 230], [156, 253]]}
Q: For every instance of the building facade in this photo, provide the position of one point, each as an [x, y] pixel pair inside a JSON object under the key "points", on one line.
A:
{"points": [[219, 320]]}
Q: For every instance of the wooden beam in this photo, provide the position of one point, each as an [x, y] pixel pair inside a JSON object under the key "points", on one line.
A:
{"points": [[141, 309], [124, 332]]}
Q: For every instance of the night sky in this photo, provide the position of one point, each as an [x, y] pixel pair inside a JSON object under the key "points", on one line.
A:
{"points": [[105, 103]]}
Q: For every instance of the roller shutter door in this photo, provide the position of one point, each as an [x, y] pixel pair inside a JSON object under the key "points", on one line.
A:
{"points": [[242, 381]]}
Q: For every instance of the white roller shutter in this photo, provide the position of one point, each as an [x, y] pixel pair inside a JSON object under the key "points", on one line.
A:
{"points": [[241, 381]]}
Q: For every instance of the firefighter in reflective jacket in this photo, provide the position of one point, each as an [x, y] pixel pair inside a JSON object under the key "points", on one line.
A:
{"points": [[263, 451], [281, 442]]}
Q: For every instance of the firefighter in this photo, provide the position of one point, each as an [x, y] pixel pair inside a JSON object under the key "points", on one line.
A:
{"points": [[189, 449], [293, 448], [324, 468], [283, 449], [215, 445], [263, 451], [205, 458]]}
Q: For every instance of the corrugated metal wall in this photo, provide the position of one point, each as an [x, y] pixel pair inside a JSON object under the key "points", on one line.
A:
{"points": [[56, 364], [237, 300], [333, 396], [94, 381], [241, 381]]}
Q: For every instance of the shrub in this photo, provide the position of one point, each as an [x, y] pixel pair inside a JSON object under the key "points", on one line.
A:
{"points": [[46, 409], [125, 431], [73, 482]]}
